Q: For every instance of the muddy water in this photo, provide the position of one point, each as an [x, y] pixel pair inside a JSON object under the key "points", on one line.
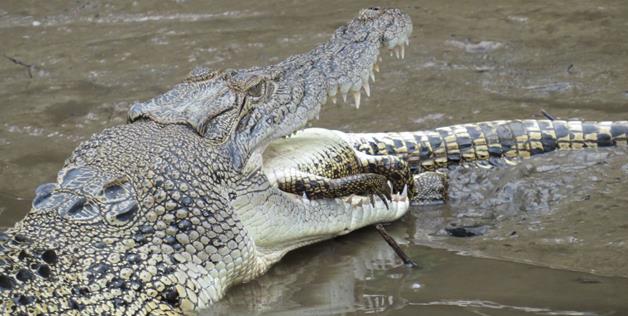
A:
{"points": [[71, 69]]}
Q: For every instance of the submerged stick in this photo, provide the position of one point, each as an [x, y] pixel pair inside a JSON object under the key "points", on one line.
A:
{"points": [[548, 116], [21, 63], [393, 244]]}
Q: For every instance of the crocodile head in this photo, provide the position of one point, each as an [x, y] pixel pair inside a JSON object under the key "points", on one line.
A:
{"points": [[248, 108], [244, 110]]}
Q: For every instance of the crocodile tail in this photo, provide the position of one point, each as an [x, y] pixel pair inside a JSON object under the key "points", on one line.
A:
{"points": [[487, 141]]}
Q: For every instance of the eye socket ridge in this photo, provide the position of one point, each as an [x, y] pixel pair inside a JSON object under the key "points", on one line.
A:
{"points": [[257, 91]]}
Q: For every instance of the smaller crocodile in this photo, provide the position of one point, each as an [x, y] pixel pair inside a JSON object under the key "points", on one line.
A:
{"points": [[317, 162]]}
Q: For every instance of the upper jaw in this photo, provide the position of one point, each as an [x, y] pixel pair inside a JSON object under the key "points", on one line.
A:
{"points": [[341, 66]]}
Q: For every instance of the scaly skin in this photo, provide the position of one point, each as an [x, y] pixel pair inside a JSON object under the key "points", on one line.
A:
{"points": [[328, 157], [489, 141], [162, 215]]}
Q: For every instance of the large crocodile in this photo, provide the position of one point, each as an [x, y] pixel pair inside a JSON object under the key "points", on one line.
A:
{"points": [[148, 217], [162, 215]]}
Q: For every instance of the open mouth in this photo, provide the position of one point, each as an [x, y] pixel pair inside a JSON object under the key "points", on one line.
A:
{"points": [[298, 157]]}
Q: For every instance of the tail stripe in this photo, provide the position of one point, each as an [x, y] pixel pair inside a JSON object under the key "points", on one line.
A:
{"points": [[506, 138], [535, 146], [562, 134], [429, 150], [463, 139], [479, 141], [520, 137], [452, 151], [492, 140], [619, 131], [575, 134], [604, 137], [590, 133], [438, 148], [548, 135]]}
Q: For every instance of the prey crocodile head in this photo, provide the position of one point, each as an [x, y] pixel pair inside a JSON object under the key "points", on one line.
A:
{"points": [[143, 217]]}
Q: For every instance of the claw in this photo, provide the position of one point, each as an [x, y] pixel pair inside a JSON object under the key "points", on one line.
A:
{"points": [[383, 198], [372, 198]]}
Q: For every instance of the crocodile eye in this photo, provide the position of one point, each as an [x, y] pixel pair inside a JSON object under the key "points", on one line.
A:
{"points": [[258, 90], [370, 13]]}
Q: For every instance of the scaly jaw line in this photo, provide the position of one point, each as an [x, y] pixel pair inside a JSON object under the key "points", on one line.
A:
{"points": [[396, 47], [399, 202]]}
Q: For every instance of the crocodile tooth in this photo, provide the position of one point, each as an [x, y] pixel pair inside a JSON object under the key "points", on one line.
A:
{"points": [[356, 96], [318, 116], [344, 89], [372, 74], [391, 52], [355, 201], [367, 88], [334, 100], [397, 52], [376, 68], [403, 51], [407, 42], [379, 58], [332, 91]]}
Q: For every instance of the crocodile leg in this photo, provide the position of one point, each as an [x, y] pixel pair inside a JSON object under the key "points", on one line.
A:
{"points": [[395, 169], [315, 186], [431, 187]]}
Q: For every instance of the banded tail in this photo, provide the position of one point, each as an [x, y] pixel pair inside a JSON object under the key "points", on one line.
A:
{"points": [[486, 141]]}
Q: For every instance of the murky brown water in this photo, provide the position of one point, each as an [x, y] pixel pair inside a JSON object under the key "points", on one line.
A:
{"points": [[468, 61]]}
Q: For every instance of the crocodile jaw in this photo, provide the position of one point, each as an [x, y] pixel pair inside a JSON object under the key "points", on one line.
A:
{"points": [[311, 80], [341, 66]]}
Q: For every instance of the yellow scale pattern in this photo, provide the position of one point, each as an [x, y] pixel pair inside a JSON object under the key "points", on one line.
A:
{"points": [[505, 139]]}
